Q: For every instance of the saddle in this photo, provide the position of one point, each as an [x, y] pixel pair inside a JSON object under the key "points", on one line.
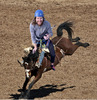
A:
{"points": [[41, 45], [27, 50]]}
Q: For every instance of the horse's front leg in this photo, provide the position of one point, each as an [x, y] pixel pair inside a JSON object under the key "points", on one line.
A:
{"points": [[28, 75], [37, 77], [24, 88], [25, 83]]}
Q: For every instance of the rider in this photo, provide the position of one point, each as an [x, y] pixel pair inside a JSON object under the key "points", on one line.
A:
{"points": [[40, 29]]}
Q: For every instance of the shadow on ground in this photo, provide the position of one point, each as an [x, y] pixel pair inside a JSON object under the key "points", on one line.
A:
{"points": [[43, 91]]}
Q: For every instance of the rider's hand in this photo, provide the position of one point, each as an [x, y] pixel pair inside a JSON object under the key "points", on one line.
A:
{"points": [[46, 37], [34, 50]]}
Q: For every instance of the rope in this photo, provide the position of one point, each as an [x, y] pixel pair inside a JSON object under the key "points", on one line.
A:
{"points": [[58, 41], [61, 51]]}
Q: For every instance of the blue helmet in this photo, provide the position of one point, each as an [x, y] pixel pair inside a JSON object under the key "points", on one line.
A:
{"points": [[39, 13]]}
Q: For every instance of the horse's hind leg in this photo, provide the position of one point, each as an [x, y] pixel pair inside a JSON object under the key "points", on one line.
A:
{"points": [[82, 44], [68, 47], [71, 48], [76, 39]]}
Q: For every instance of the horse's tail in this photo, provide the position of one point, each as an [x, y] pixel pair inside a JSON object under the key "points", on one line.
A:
{"points": [[67, 26]]}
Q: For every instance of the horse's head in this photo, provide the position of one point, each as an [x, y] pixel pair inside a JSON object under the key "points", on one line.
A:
{"points": [[29, 62]]}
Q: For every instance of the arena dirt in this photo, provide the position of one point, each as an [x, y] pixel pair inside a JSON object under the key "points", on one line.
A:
{"points": [[75, 76]]}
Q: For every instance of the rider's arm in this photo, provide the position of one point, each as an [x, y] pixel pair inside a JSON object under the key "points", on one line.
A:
{"points": [[33, 38], [49, 29]]}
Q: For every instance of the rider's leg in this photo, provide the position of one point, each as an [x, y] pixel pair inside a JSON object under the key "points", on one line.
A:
{"points": [[46, 43], [52, 53], [39, 63], [41, 57]]}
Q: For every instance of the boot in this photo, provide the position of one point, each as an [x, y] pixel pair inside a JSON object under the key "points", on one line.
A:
{"points": [[53, 67]]}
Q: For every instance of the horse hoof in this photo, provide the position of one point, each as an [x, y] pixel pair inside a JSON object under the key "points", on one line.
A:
{"points": [[26, 97], [22, 95], [77, 38], [86, 45]]}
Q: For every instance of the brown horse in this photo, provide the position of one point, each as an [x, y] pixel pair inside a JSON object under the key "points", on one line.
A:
{"points": [[63, 46]]}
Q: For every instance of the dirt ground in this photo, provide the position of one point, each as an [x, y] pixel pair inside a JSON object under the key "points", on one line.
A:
{"points": [[76, 76]]}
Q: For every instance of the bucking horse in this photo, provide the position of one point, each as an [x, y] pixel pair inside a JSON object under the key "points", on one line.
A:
{"points": [[63, 46]]}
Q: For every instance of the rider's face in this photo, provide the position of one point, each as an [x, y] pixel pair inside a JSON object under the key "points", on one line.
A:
{"points": [[39, 20]]}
